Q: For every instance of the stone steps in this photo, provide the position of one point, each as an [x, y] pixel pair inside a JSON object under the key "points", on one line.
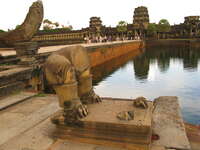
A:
{"points": [[14, 74], [12, 59], [11, 88], [13, 79], [15, 99], [18, 123]]}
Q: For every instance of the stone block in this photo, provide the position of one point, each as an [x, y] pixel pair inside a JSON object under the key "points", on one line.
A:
{"points": [[103, 125], [26, 48], [26, 52], [168, 124]]}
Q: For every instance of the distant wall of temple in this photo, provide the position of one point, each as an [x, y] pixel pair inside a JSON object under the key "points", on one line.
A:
{"points": [[59, 38], [96, 30], [193, 43]]}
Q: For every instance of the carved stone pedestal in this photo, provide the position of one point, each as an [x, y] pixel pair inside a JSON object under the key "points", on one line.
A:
{"points": [[102, 126], [26, 51]]}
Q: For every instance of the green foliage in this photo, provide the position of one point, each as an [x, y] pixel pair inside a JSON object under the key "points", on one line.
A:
{"points": [[122, 26], [152, 29], [47, 21], [1, 31], [164, 21], [56, 24], [6, 64], [50, 26], [57, 30], [40, 95], [68, 28], [163, 25], [17, 26], [47, 24]]}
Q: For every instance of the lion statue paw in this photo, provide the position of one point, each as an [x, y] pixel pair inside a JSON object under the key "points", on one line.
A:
{"points": [[140, 102], [90, 98]]}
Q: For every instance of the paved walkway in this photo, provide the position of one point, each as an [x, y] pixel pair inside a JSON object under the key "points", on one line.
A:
{"points": [[11, 51]]}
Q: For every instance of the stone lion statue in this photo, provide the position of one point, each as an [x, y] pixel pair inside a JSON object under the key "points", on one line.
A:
{"points": [[68, 72]]}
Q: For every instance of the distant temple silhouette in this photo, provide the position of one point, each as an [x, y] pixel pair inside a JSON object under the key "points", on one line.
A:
{"points": [[96, 29]]}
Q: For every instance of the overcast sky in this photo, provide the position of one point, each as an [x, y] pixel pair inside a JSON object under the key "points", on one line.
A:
{"points": [[78, 12]]}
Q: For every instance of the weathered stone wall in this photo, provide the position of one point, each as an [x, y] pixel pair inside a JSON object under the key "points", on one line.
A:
{"points": [[104, 53]]}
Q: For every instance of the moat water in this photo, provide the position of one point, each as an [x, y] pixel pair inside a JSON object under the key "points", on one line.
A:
{"points": [[154, 72]]}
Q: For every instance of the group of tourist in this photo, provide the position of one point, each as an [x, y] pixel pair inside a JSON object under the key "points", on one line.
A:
{"points": [[101, 39]]}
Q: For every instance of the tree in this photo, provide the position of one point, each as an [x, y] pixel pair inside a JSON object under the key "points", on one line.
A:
{"points": [[50, 26], [163, 25], [47, 21], [68, 28], [1, 31], [122, 27], [56, 24], [47, 24], [152, 29], [17, 26]]}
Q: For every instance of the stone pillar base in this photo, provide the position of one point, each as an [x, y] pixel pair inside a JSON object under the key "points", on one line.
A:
{"points": [[26, 52]]}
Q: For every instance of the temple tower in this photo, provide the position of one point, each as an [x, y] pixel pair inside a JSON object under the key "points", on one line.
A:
{"points": [[192, 25], [95, 26], [95, 22], [141, 16], [191, 19], [140, 21]]}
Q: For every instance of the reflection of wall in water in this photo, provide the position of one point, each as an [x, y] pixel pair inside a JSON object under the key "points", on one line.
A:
{"points": [[190, 59], [103, 71], [190, 56], [142, 61], [163, 63]]}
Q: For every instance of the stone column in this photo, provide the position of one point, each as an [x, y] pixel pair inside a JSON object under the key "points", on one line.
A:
{"points": [[26, 52]]}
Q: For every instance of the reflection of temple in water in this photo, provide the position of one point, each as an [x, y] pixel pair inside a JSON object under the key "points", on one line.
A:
{"points": [[141, 61], [141, 67], [163, 55], [190, 59], [163, 63]]}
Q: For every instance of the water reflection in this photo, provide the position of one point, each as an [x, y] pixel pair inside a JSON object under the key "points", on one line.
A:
{"points": [[105, 70], [173, 71], [141, 67]]}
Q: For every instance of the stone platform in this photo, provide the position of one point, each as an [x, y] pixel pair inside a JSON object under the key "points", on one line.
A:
{"points": [[103, 126], [26, 125]]}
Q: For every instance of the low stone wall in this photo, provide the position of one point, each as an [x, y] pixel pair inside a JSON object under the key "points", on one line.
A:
{"points": [[99, 52], [104, 53]]}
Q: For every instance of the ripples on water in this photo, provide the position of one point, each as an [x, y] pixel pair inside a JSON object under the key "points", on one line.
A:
{"points": [[152, 73]]}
